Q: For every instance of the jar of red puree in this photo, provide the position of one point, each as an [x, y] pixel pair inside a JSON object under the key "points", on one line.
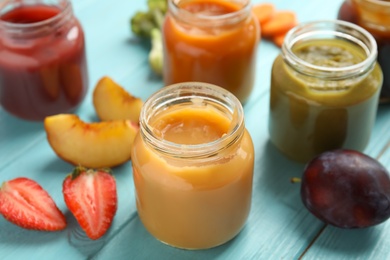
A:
{"points": [[43, 67], [374, 16]]}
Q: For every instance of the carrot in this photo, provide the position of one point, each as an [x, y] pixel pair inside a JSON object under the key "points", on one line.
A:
{"points": [[281, 22], [279, 39], [263, 12]]}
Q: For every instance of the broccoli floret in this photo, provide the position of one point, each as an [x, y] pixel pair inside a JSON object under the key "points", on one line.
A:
{"points": [[142, 24]]}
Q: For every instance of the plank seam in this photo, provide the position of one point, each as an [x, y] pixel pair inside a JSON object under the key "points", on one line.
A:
{"points": [[383, 150], [313, 241], [18, 154]]}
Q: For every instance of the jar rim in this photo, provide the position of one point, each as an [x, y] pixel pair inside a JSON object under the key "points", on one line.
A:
{"points": [[65, 7], [210, 20], [378, 2], [198, 93], [305, 31]]}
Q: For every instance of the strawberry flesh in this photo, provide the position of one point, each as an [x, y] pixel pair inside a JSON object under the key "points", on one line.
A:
{"points": [[91, 196], [25, 203]]}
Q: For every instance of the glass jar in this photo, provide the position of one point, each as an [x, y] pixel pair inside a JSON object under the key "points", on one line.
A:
{"points": [[374, 16], [325, 86], [193, 166], [43, 67], [211, 41]]}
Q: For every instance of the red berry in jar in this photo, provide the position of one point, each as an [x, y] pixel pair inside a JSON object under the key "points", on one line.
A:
{"points": [[347, 189]]}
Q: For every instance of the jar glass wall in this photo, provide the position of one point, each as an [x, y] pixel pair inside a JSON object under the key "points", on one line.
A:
{"points": [[211, 41], [324, 89], [374, 16], [193, 166], [43, 67]]}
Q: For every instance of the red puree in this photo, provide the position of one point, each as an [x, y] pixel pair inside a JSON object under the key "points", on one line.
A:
{"points": [[41, 73], [30, 14]]}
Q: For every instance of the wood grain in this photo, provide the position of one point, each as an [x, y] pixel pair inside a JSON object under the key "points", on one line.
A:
{"points": [[279, 227]]}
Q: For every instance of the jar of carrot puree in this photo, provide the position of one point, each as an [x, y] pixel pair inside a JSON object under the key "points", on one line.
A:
{"points": [[325, 86], [193, 165], [212, 41], [374, 16], [43, 67]]}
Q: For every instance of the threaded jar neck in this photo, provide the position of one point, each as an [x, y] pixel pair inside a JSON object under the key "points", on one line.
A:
{"points": [[202, 19], [39, 28], [330, 29], [192, 95], [373, 14], [373, 4]]}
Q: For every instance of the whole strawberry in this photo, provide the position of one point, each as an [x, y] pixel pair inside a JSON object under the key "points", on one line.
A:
{"points": [[91, 196], [25, 203]]}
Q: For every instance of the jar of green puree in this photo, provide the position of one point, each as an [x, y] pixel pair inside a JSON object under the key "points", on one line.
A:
{"points": [[325, 87]]}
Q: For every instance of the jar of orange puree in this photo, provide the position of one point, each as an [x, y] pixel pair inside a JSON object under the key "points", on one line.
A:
{"points": [[213, 41], [193, 165], [325, 87]]}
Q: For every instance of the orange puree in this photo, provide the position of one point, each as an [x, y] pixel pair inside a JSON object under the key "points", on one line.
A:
{"points": [[193, 203], [208, 41], [190, 126]]}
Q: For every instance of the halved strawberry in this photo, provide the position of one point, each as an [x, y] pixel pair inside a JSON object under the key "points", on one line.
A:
{"points": [[25, 203], [92, 198]]}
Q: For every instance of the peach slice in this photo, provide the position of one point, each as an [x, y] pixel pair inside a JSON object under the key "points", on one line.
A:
{"points": [[112, 102], [92, 145]]}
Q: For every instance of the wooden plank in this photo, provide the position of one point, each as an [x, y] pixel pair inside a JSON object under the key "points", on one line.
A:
{"points": [[278, 227]]}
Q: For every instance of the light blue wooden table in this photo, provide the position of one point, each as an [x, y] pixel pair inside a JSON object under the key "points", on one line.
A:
{"points": [[279, 226]]}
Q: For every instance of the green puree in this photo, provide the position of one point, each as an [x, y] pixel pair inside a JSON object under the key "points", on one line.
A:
{"points": [[310, 114], [329, 53]]}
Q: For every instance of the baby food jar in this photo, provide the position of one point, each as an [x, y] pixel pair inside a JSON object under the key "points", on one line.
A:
{"points": [[42, 58], [212, 41], [374, 16], [325, 86], [193, 166]]}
